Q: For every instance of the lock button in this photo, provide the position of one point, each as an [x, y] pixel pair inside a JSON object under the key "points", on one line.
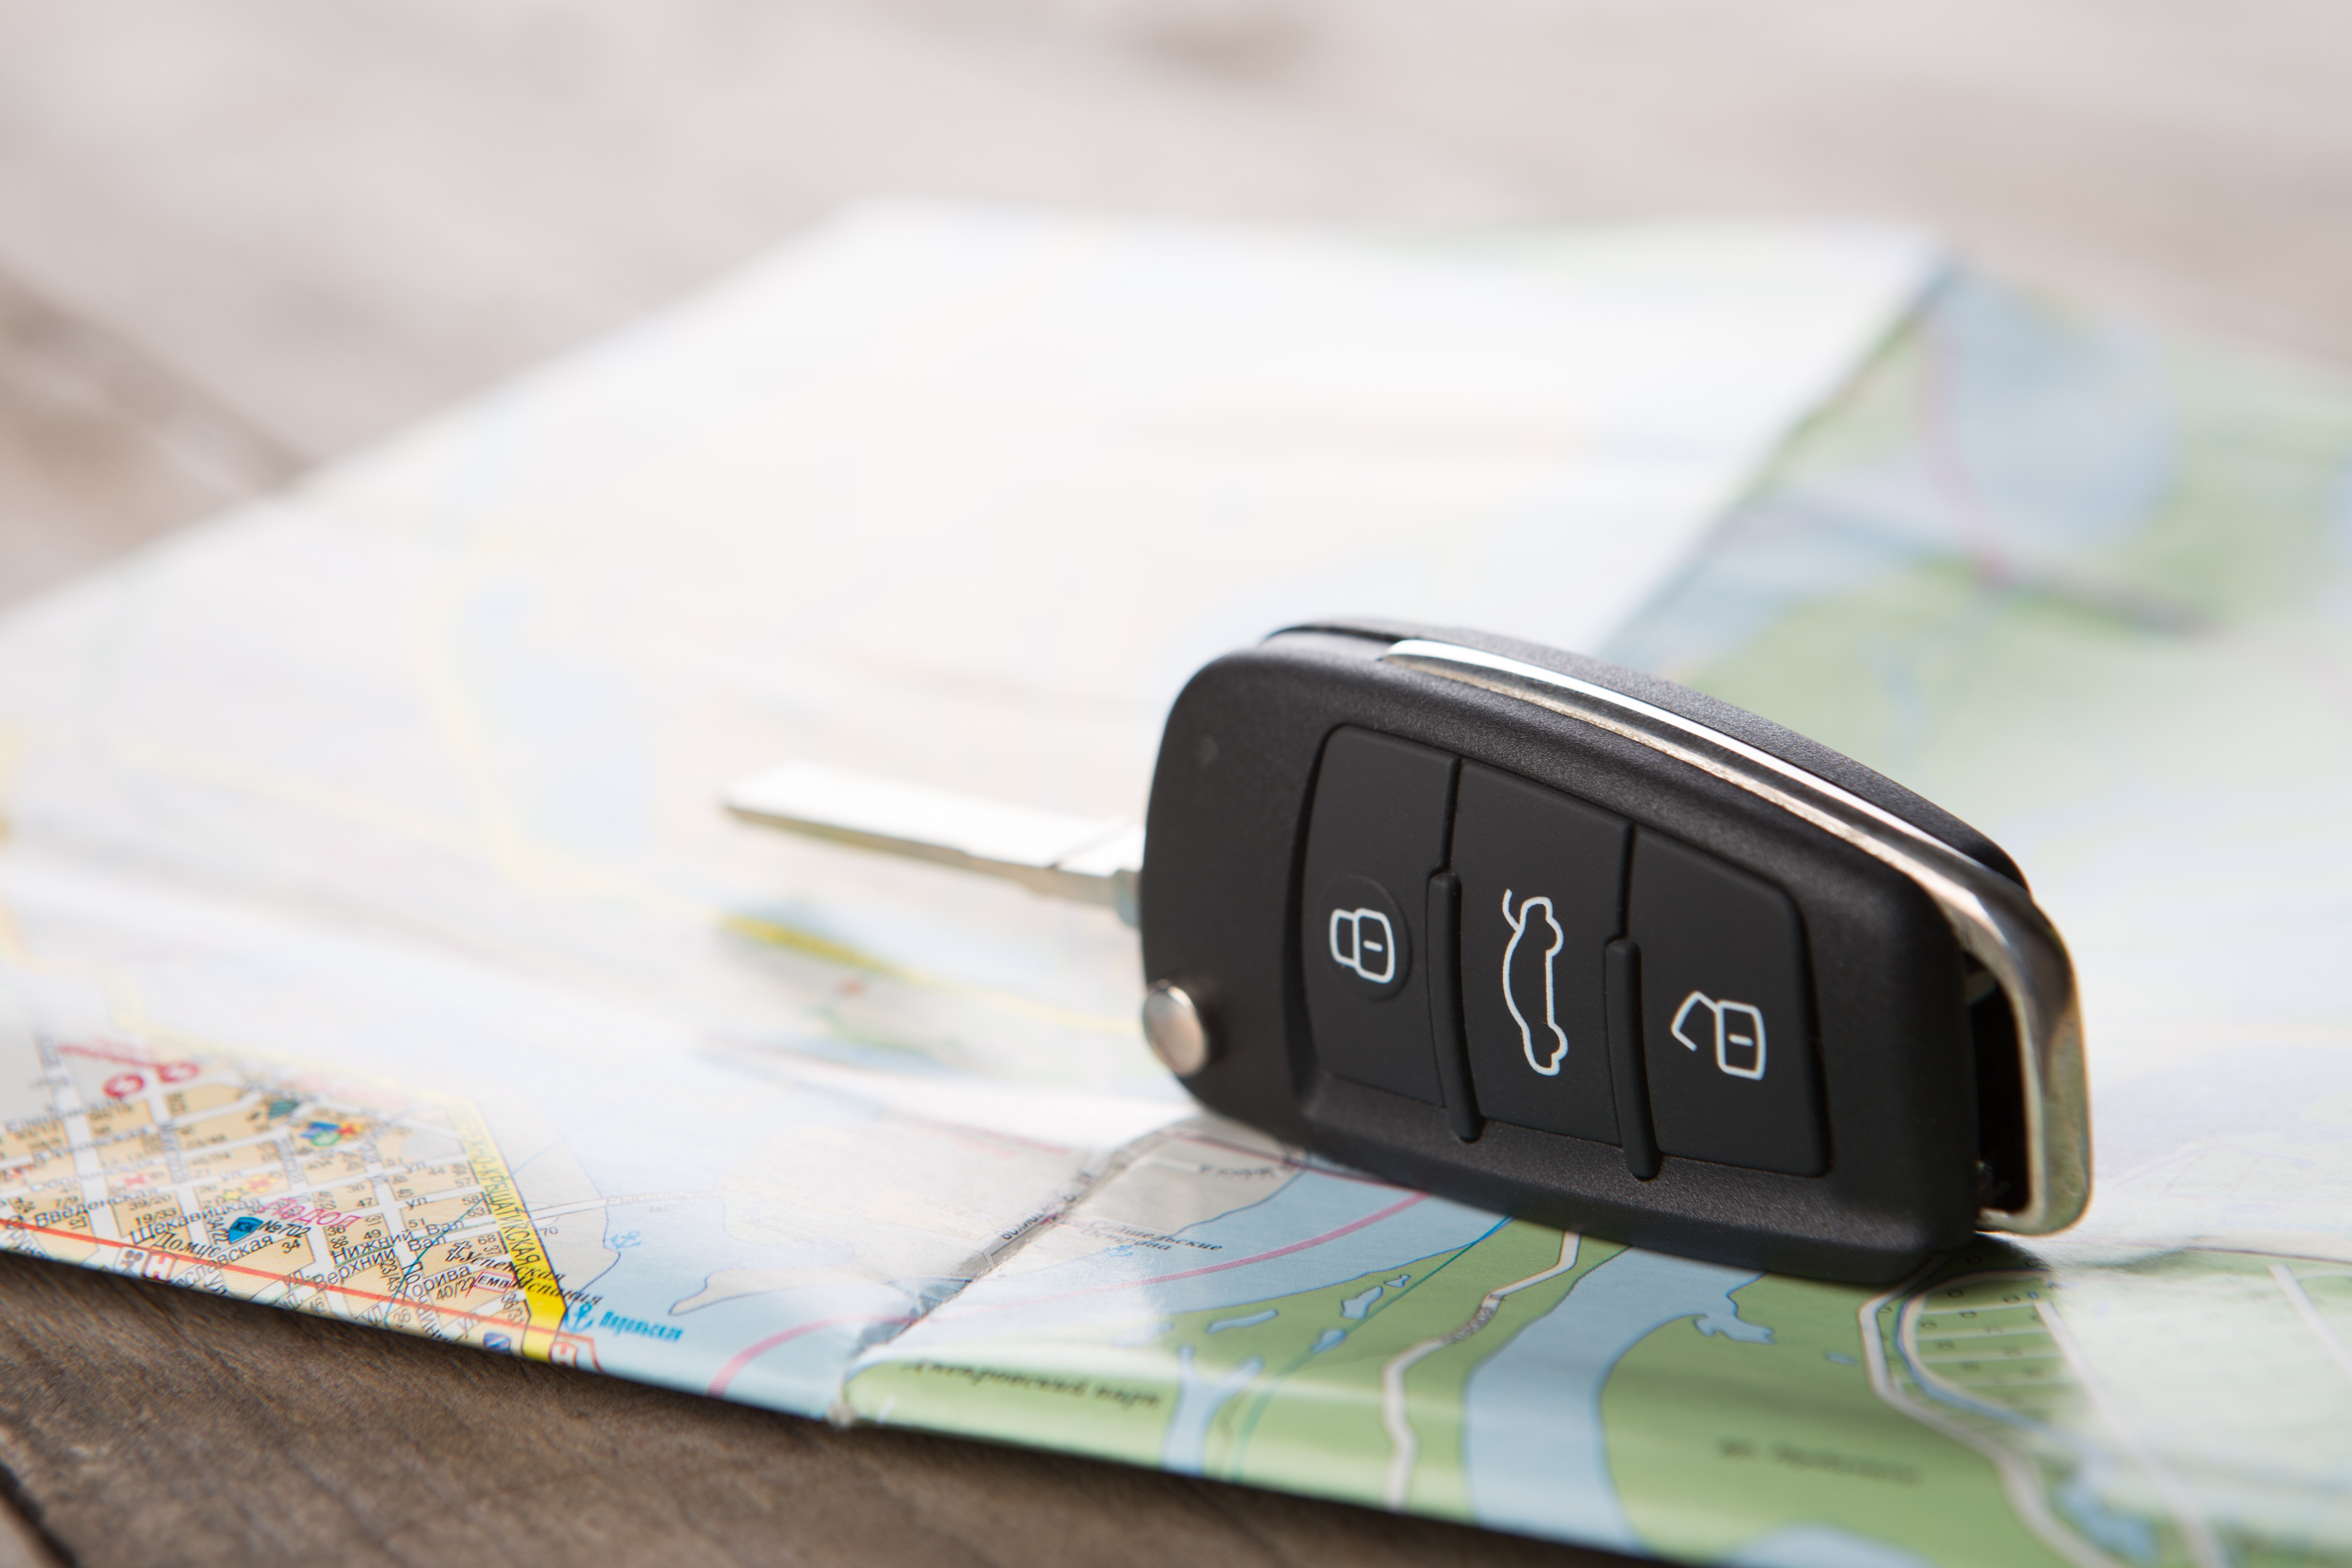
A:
{"points": [[1726, 1030], [1377, 836]]}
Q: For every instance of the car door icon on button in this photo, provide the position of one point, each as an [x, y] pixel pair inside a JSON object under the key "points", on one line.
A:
{"points": [[1519, 979], [1738, 1030], [1364, 942]]}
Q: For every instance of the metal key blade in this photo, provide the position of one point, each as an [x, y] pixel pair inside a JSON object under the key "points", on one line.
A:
{"points": [[1087, 859]]}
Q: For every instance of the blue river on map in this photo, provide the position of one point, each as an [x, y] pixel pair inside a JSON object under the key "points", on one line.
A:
{"points": [[1532, 1445]]}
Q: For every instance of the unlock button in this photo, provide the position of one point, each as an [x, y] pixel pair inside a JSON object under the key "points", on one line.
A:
{"points": [[1728, 1036]]}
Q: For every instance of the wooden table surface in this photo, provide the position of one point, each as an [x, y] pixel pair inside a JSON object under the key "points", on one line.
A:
{"points": [[240, 237], [142, 1425]]}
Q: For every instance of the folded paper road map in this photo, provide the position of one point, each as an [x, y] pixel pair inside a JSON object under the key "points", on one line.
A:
{"points": [[371, 943]]}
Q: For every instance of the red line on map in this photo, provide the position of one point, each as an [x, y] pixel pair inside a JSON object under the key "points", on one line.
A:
{"points": [[107, 1051], [289, 1280], [1947, 467], [752, 1352]]}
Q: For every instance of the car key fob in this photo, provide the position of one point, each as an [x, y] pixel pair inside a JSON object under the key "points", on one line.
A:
{"points": [[1567, 942]]}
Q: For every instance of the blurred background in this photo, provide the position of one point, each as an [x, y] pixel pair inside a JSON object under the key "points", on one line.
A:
{"points": [[240, 237]]}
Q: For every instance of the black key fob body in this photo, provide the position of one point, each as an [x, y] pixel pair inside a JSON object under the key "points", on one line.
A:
{"points": [[1568, 941]]}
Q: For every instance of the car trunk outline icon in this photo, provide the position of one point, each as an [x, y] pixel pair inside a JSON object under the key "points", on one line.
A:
{"points": [[1519, 925], [1730, 1033], [1359, 943]]}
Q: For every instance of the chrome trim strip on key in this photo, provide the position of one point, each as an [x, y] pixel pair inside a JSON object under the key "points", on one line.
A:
{"points": [[1997, 923]]}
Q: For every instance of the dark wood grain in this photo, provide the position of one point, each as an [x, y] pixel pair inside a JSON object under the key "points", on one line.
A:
{"points": [[146, 1425]]}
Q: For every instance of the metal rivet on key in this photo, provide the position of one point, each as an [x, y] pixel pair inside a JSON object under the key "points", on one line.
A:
{"points": [[1174, 1028]]}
